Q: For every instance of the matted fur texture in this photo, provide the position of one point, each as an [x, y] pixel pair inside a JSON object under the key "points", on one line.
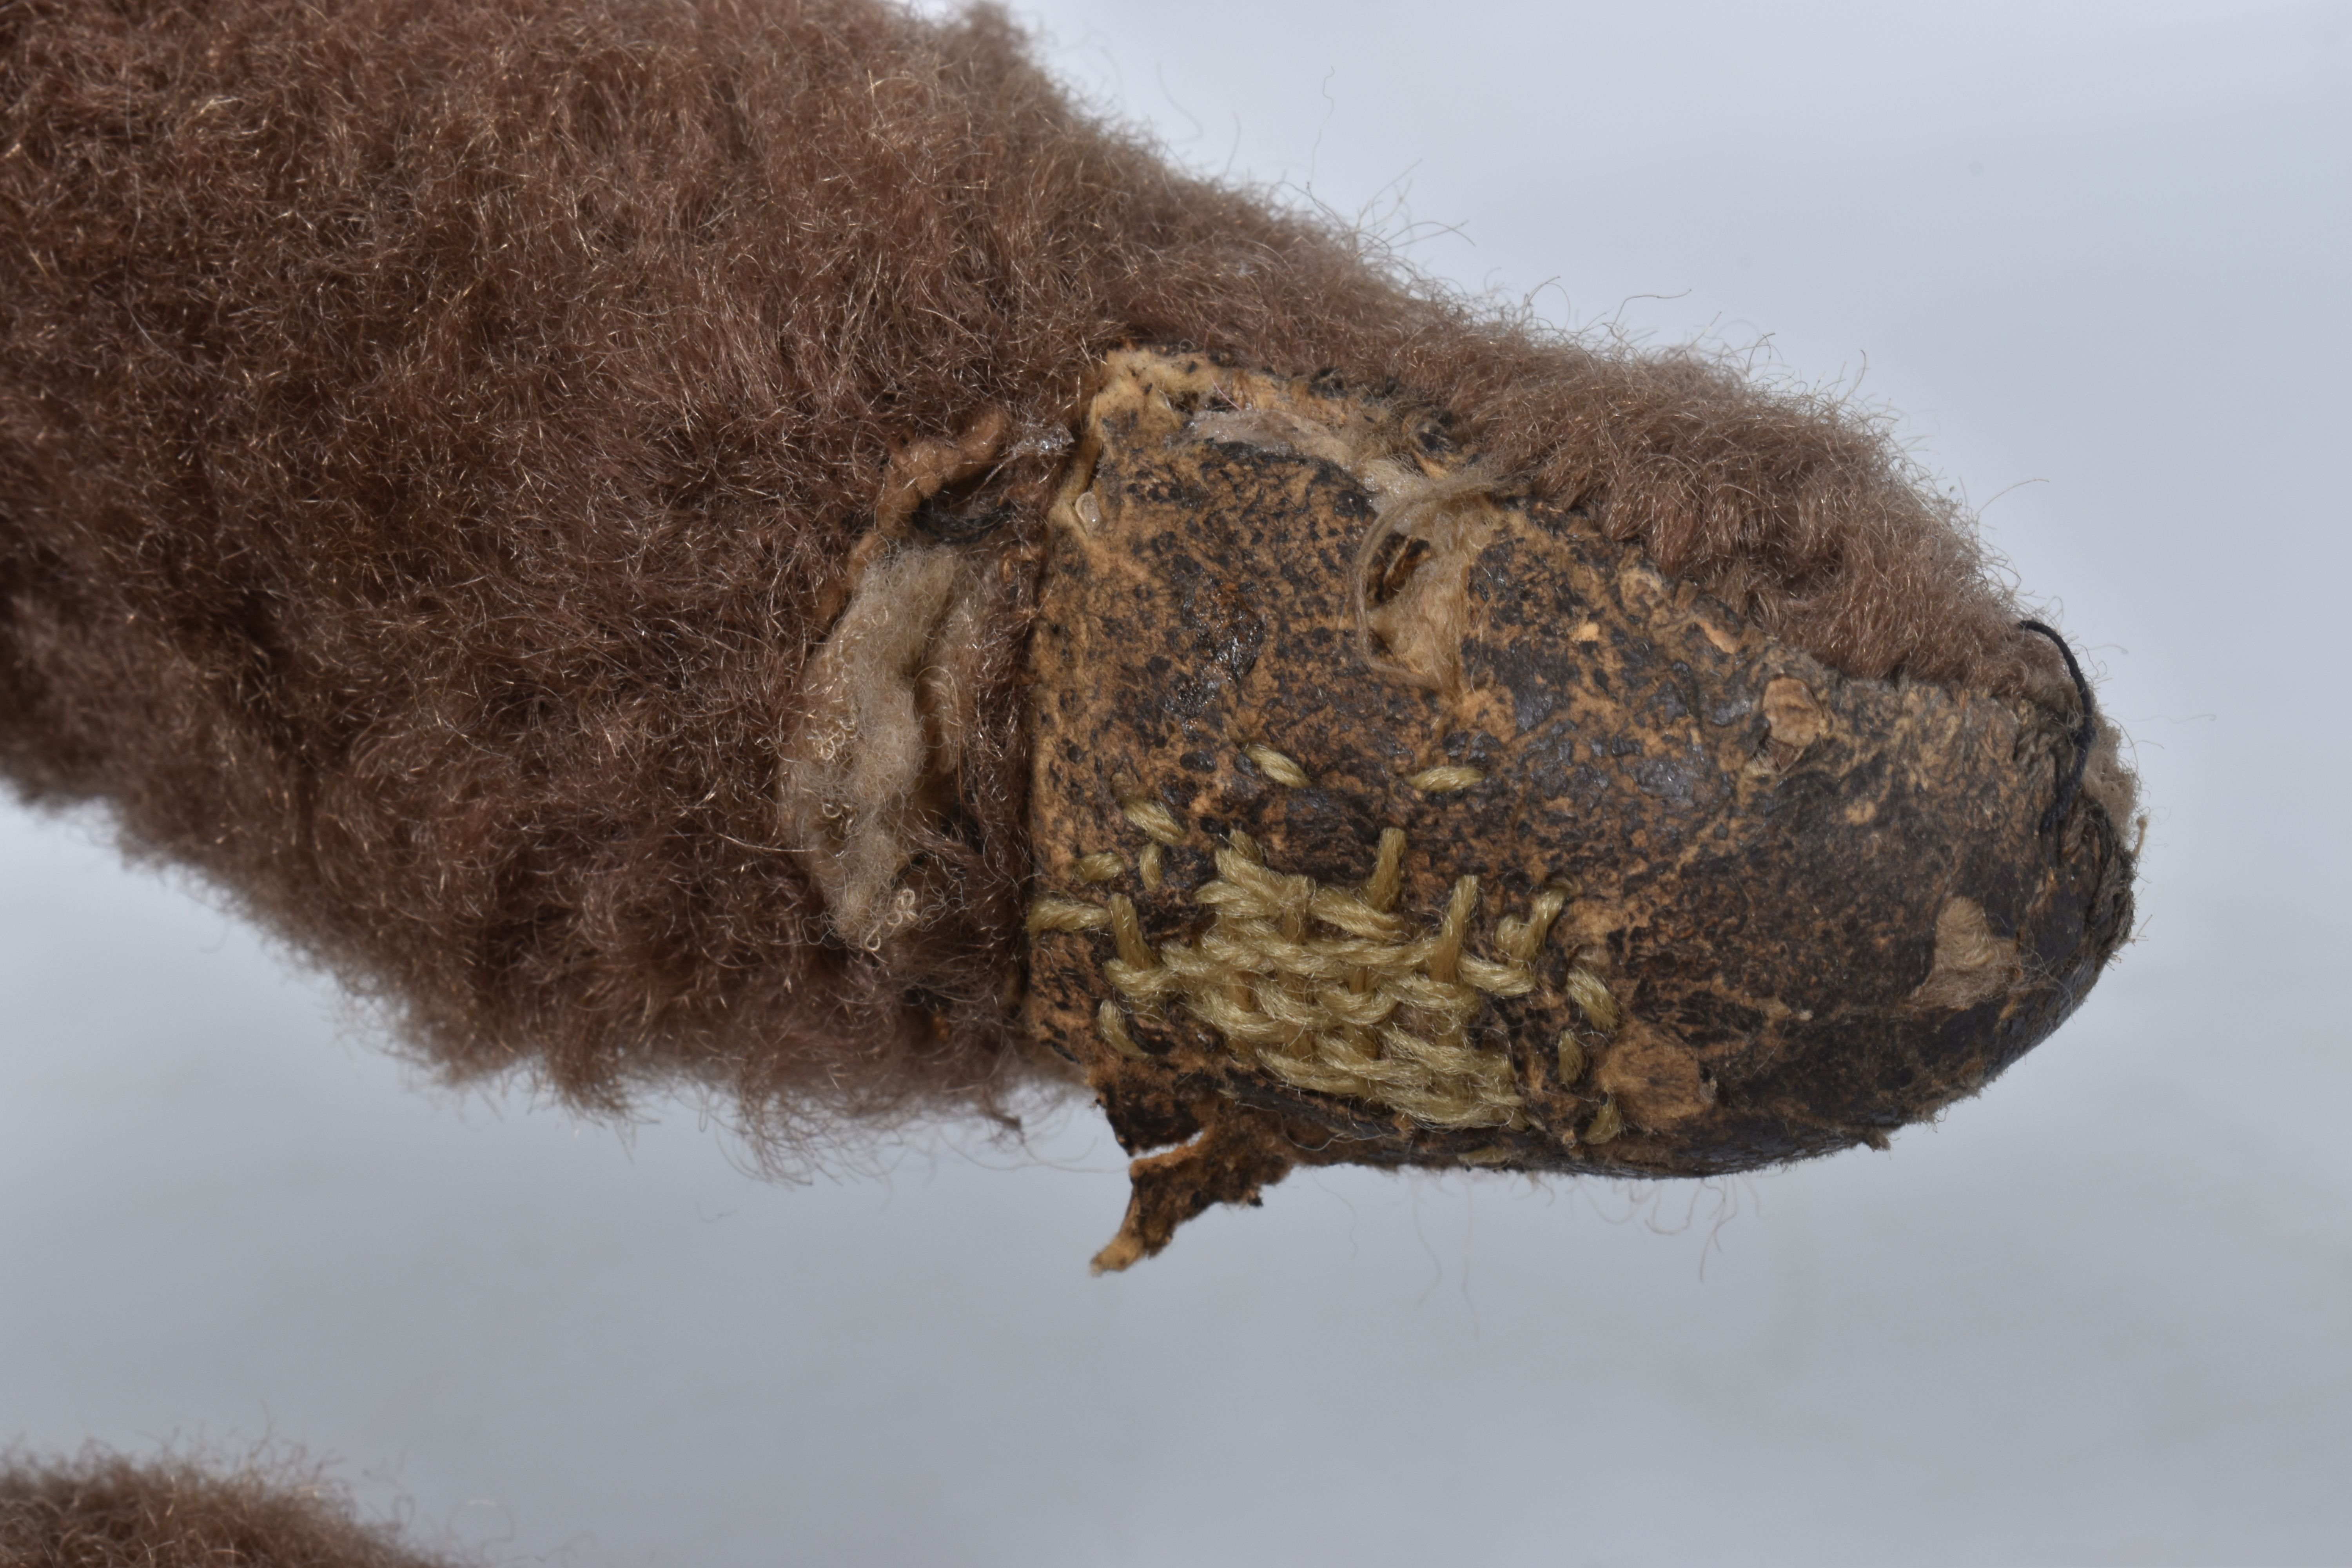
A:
{"points": [[104, 1510], [435, 434]]}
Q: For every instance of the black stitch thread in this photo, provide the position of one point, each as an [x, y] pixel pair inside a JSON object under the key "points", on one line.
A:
{"points": [[2086, 733]]}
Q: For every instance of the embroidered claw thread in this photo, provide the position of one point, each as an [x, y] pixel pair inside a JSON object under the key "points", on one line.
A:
{"points": [[1329, 989]]}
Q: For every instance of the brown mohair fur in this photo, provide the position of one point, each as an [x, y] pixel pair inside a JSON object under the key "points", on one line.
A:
{"points": [[104, 1510], [435, 434]]}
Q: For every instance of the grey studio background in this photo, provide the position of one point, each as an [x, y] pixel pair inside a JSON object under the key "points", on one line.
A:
{"points": [[2096, 255]]}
